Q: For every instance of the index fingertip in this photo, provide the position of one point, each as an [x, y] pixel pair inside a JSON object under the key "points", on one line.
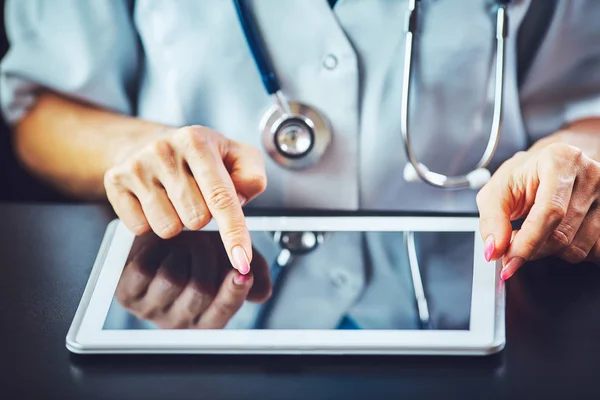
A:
{"points": [[240, 260]]}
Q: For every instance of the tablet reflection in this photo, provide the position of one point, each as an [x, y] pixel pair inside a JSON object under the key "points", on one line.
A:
{"points": [[187, 282], [350, 280]]}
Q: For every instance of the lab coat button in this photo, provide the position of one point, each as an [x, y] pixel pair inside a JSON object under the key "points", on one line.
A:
{"points": [[330, 61], [339, 278]]}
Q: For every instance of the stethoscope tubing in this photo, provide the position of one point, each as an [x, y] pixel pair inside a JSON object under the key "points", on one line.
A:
{"points": [[414, 169], [282, 264], [477, 177]]}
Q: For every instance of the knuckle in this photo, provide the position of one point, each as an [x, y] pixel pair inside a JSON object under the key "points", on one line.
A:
{"points": [[258, 182], [575, 153], [169, 230], [140, 229], [147, 313], [197, 299], [555, 211], [194, 138], [574, 254], [197, 220], [234, 233], [560, 237], [166, 282], [179, 191], [568, 156], [221, 198], [164, 151], [224, 308], [181, 322], [136, 169], [113, 177], [564, 151], [124, 298]]}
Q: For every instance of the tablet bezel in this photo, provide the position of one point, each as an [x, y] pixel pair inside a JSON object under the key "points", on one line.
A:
{"points": [[486, 333]]}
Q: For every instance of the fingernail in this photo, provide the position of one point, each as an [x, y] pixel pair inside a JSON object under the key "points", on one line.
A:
{"points": [[240, 260], [488, 248], [511, 267], [240, 280], [242, 199]]}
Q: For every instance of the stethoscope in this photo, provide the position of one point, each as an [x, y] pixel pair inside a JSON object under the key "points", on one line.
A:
{"points": [[295, 244], [296, 136]]}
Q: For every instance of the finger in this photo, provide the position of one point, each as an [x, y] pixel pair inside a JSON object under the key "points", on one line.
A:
{"points": [[494, 202], [549, 209], [127, 207], [167, 284], [588, 234], [205, 162], [138, 273], [561, 238], [159, 211], [262, 287], [181, 188], [247, 169], [199, 291], [228, 301]]}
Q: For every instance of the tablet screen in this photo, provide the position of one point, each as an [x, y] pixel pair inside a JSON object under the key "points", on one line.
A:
{"points": [[299, 280]]}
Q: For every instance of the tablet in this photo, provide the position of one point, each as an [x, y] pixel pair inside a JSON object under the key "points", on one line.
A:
{"points": [[317, 285]]}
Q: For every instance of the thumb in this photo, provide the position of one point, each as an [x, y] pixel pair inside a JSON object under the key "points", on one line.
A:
{"points": [[247, 170], [494, 204]]}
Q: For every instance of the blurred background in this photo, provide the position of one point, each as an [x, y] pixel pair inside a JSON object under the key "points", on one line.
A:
{"points": [[16, 183]]}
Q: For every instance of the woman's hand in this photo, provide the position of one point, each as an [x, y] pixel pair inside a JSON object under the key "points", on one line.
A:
{"points": [[186, 178], [555, 187]]}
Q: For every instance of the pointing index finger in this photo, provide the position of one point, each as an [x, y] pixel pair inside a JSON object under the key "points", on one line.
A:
{"points": [[216, 186]]}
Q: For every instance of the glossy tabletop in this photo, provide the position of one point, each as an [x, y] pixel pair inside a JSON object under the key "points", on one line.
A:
{"points": [[47, 252]]}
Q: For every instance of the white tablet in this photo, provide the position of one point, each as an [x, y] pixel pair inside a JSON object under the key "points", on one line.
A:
{"points": [[318, 285]]}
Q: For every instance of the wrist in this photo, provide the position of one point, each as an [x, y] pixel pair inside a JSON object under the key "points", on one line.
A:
{"points": [[583, 134], [557, 137]]}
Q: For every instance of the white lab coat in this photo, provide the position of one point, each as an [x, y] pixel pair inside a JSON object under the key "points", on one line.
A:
{"points": [[186, 62], [194, 67]]}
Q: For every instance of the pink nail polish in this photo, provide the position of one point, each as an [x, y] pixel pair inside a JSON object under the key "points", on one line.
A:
{"points": [[489, 247], [240, 260], [511, 267], [240, 280]]}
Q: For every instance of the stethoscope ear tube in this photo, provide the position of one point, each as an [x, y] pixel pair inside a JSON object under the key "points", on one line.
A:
{"points": [[480, 175], [417, 281]]}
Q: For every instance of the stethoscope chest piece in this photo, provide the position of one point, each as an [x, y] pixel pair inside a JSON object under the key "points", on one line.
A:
{"points": [[295, 140]]}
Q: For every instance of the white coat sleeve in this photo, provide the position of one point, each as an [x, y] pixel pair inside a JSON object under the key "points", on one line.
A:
{"points": [[87, 50]]}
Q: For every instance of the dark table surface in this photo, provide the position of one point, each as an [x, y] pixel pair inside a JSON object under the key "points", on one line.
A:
{"points": [[47, 251]]}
